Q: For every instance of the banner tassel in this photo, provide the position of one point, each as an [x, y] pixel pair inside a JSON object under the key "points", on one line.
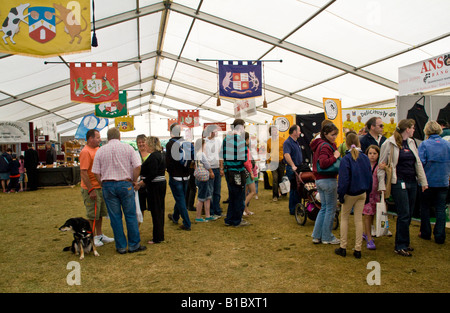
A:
{"points": [[218, 102], [94, 36]]}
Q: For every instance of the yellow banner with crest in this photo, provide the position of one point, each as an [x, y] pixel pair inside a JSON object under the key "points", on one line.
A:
{"points": [[45, 28]]}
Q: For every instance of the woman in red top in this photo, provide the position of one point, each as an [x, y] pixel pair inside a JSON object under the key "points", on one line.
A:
{"points": [[325, 153]]}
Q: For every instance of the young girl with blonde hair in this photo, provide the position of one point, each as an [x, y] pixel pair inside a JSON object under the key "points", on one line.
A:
{"points": [[354, 180]]}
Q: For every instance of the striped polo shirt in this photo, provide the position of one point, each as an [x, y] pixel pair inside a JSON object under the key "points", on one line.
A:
{"points": [[234, 153]]}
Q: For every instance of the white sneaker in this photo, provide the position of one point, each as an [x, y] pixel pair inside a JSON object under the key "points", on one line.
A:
{"points": [[106, 239], [335, 241], [98, 241]]}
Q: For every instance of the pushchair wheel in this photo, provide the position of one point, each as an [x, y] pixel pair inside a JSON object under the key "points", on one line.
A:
{"points": [[300, 214]]}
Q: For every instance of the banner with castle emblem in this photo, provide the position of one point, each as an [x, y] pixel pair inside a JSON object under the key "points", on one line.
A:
{"points": [[240, 80], [45, 28], [94, 82], [113, 109], [125, 123]]}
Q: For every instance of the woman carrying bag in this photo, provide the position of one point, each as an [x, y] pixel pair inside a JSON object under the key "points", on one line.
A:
{"points": [[407, 172], [325, 169]]}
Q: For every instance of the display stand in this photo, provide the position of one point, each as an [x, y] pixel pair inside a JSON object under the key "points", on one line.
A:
{"points": [[72, 152]]}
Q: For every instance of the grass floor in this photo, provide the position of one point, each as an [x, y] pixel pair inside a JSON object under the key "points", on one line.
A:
{"points": [[272, 255]]}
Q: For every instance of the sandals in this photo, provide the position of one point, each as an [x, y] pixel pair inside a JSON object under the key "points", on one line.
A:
{"points": [[403, 252]]}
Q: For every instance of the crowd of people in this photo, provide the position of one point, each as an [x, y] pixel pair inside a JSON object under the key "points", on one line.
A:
{"points": [[117, 181]]}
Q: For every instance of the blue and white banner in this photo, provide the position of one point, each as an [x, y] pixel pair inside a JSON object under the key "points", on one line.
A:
{"points": [[241, 80], [90, 122]]}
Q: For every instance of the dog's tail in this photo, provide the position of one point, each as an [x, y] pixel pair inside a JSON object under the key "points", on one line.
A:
{"points": [[67, 248]]}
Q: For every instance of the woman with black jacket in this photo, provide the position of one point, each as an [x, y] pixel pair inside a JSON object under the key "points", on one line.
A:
{"points": [[153, 175]]}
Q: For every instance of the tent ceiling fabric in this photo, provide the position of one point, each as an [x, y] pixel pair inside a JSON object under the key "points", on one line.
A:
{"points": [[348, 49]]}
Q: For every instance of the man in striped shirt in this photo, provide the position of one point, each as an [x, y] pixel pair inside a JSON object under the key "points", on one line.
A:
{"points": [[234, 153], [117, 166]]}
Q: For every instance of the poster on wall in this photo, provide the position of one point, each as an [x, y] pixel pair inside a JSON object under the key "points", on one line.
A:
{"points": [[430, 74], [14, 132], [355, 119]]}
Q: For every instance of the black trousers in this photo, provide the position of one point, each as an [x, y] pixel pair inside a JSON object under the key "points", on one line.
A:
{"points": [[156, 193], [32, 174]]}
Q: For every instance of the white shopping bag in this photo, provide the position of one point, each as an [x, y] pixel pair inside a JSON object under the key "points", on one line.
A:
{"points": [[382, 222], [285, 185], [140, 218]]}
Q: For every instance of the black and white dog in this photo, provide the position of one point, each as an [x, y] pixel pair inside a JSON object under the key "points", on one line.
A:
{"points": [[83, 239]]}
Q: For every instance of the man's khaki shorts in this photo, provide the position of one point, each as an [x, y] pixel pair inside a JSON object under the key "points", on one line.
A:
{"points": [[90, 205]]}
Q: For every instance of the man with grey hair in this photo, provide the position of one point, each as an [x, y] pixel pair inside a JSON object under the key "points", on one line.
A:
{"points": [[117, 166]]}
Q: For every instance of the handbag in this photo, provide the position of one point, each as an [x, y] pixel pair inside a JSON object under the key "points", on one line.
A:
{"points": [[332, 169], [382, 222], [389, 169], [200, 172]]}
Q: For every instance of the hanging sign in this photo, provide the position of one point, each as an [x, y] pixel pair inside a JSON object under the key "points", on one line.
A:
{"points": [[244, 108], [14, 131], [125, 123], [333, 112], [90, 122], [94, 82], [113, 109], [433, 73], [170, 121], [45, 28], [220, 125], [241, 80], [188, 118]]}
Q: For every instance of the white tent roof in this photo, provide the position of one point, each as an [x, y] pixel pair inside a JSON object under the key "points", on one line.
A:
{"points": [[347, 49]]}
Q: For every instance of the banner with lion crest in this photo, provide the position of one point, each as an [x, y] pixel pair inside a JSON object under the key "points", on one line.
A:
{"points": [[45, 28], [240, 80]]}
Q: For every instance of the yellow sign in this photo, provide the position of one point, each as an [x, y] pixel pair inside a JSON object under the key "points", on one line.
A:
{"points": [[45, 28], [333, 112], [125, 123], [284, 122]]}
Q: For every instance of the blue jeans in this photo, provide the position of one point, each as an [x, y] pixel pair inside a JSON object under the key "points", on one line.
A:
{"points": [[293, 194], [119, 197], [328, 198], [179, 194], [236, 204], [433, 197], [405, 200], [216, 185]]}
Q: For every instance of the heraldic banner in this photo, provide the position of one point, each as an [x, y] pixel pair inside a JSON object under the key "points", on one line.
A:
{"points": [[240, 81], [94, 82], [90, 122], [113, 109], [188, 118], [125, 123], [45, 28]]}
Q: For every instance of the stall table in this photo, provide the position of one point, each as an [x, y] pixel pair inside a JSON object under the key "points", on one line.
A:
{"points": [[58, 176]]}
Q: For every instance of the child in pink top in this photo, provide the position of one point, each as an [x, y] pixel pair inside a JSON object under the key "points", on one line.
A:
{"points": [[373, 152]]}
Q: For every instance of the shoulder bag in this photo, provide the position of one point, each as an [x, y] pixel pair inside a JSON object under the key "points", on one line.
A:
{"points": [[389, 169], [332, 169], [200, 172]]}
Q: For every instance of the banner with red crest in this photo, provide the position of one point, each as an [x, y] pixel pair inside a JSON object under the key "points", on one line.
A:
{"points": [[94, 82], [189, 118]]}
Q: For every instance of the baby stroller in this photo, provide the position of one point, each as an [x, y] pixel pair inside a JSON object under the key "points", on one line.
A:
{"points": [[309, 205]]}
